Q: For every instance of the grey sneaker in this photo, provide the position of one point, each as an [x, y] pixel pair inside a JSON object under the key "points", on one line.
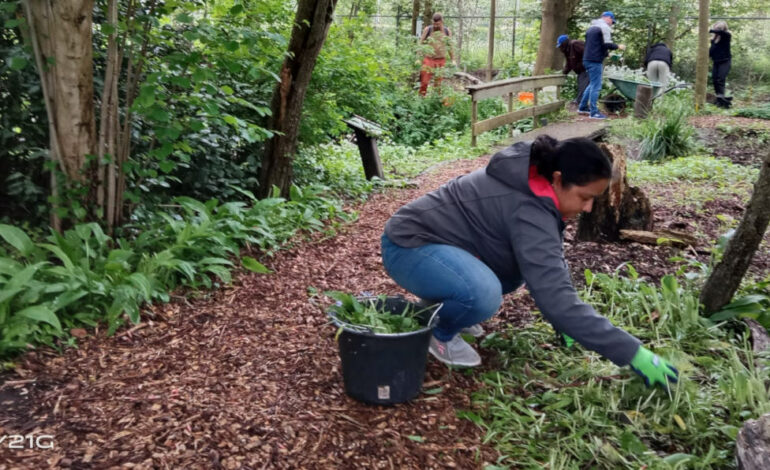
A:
{"points": [[455, 352], [474, 330]]}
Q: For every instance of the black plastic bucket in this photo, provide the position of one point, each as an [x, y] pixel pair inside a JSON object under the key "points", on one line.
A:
{"points": [[380, 368], [614, 103]]}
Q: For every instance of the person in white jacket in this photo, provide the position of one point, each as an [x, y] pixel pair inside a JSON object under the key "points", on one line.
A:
{"points": [[598, 44]]}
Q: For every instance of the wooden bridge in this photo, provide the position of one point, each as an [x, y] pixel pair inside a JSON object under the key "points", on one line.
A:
{"points": [[510, 87]]}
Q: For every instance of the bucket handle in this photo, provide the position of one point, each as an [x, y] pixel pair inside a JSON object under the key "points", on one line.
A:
{"points": [[435, 312]]}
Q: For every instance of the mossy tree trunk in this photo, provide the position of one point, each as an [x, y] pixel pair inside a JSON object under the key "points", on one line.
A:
{"points": [[728, 273], [311, 26]]}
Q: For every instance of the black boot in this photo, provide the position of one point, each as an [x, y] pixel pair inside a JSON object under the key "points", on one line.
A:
{"points": [[723, 103]]}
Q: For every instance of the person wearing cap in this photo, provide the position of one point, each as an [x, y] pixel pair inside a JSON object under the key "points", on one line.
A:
{"points": [[573, 52], [598, 44], [438, 38], [658, 63]]}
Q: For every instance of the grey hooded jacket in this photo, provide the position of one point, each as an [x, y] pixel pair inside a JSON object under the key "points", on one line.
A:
{"points": [[493, 214]]}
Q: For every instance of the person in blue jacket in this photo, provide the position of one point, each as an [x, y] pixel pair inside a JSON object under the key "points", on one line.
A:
{"points": [[598, 44], [486, 233]]}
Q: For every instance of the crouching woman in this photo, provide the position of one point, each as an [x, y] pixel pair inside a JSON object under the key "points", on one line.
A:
{"points": [[486, 233]]}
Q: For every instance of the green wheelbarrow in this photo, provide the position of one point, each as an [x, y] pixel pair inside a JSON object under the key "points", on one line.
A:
{"points": [[627, 88]]}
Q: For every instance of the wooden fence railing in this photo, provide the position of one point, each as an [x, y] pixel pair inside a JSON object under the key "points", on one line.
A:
{"points": [[511, 87]]}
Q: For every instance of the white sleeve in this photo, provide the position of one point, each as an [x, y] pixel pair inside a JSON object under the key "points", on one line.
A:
{"points": [[607, 34]]}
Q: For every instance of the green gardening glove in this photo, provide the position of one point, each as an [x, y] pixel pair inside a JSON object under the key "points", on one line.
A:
{"points": [[567, 341], [653, 369]]}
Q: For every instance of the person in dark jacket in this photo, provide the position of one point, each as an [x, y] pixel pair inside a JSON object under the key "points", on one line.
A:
{"points": [[573, 52], [486, 233], [658, 63], [722, 60], [598, 44]]}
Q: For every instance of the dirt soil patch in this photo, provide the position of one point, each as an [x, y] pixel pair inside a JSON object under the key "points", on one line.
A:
{"points": [[249, 376], [742, 140]]}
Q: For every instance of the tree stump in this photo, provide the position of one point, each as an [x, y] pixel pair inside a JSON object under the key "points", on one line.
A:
{"points": [[620, 207], [643, 101], [752, 448]]}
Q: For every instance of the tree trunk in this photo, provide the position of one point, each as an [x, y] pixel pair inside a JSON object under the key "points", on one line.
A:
{"points": [[63, 34], [135, 64], [556, 13], [642, 101], [752, 447], [673, 22], [107, 150], [415, 15], [491, 40], [427, 13], [513, 32], [620, 207], [701, 65], [728, 273], [311, 25], [460, 32]]}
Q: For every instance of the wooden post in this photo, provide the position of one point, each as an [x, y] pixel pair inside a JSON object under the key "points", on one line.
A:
{"points": [[474, 108], [370, 156], [535, 124], [643, 102]]}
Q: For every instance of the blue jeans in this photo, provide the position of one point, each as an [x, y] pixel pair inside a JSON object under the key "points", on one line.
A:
{"points": [[469, 290], [591, 95]]}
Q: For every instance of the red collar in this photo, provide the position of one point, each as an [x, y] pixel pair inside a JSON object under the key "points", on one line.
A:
{"points": [[540, 186]]}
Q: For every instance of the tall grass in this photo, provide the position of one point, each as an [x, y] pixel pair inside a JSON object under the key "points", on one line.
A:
{"points": [[668, 136], [547, 407]]}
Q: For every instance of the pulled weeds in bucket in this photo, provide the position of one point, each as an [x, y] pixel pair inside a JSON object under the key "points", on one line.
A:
{"points": [[372, 315]]}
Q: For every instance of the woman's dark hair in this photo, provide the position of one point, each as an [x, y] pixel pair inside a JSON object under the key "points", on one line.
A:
{"points": [[579, 160]]}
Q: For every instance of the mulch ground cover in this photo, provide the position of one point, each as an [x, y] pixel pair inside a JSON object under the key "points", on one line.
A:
{"points": [[248, 376]]}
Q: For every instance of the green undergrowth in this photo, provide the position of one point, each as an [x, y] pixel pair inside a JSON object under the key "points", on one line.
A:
{"points": [[83, 277], [50, 284], [550, 407], [696, 179], [339, 167], [757, 112], [697, 168]]}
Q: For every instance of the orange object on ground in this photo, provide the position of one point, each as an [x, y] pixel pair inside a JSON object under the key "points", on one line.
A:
{"points": [[526, 97], [427, 71]]}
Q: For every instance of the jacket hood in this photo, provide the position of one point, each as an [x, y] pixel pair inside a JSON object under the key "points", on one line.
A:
{"points": [[510, 166], [600, 23]]}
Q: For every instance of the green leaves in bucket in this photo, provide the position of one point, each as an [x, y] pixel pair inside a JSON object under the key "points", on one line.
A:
{"points": [[372, 314]]}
